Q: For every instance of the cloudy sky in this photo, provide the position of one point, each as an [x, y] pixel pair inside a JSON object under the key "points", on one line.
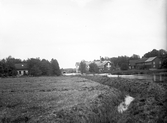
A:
{"points": [[73, 30]]}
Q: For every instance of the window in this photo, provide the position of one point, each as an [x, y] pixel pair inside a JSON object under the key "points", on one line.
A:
{"points": [[153, 64]]}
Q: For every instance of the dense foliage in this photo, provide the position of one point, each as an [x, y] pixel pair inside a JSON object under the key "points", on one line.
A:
{"points": [[124, 66], [82, 67], [164, 63], [93, 68], [36, 67], [160, 53]]}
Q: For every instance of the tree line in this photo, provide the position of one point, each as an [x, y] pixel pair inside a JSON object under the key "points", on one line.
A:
{"points": [[36, 67], [122, 62]]}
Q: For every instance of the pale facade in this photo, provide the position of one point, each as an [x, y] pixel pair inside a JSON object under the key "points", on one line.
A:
{"points": [[22, 72]]}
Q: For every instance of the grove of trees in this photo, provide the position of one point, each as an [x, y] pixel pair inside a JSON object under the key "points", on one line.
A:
{"points": [[36, 67], [159, 53]]}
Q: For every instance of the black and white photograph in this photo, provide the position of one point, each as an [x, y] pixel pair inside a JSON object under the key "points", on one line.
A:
{"points": [[83, 61]]}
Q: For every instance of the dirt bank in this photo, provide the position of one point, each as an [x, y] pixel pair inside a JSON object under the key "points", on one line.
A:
{"points": [[150, 104]]}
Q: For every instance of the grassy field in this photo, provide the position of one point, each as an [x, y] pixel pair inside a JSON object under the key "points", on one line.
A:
{"points": [[56, 99], [86, 99]]}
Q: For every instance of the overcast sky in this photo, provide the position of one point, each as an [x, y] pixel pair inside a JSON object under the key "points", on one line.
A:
{"points": [[73, 30]]}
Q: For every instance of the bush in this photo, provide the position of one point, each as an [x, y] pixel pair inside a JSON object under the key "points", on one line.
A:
{"points": [[124, 66]]}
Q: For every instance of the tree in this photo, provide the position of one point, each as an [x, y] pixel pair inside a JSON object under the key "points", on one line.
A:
{"points": [[46, 67], [164, 64], [55, 67], [162, 54], [93, 68], [34, 62], [7, 67], [152, 53], [134, 57], [35, 71], [82, 67], [118, 61]]}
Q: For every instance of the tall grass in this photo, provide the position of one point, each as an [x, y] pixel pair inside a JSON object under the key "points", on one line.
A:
{"points": [[149, 105], [101, 110]]}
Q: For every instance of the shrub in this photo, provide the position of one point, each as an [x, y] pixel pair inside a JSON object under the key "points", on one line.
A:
{"points": [[124, 66]]}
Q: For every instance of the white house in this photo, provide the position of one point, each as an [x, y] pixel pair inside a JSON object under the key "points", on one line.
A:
{"points": [[103, 66], [22, 69]]}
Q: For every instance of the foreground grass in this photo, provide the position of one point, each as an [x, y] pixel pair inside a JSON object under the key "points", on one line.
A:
{"points": [[57, 99], [80, 100], [150, 105]]}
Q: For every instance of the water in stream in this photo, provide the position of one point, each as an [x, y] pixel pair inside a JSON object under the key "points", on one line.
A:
{"points": [[158, 77]]}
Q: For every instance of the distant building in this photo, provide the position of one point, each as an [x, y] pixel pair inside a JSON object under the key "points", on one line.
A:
{"points": [[103, 66], [22, 69], [136, 64], [145, 63], [153, 63]]}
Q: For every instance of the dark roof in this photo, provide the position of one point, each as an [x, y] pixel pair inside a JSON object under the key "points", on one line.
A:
{"points": [[133, 62], [21, 66], [142, 60]]}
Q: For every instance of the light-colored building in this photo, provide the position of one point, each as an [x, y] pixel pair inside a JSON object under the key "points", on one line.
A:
{"points": [[103, 66], [22, 69]]}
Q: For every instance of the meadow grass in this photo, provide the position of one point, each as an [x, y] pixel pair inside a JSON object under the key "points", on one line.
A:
{"points": [[57, 99], [86, 99]]}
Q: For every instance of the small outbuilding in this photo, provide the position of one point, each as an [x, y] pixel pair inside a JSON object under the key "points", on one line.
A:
{"points": [[22, 69]]}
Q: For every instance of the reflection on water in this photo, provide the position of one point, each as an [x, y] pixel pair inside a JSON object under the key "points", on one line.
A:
{"points": [[158, 77], [132, 76], [123, 106], [162, 77]]}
